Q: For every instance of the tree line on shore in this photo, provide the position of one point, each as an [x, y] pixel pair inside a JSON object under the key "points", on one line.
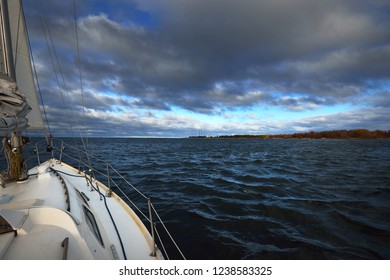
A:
{"points": [[330, 134], [340, 134]]}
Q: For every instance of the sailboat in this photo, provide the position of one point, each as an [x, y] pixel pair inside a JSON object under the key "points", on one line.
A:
{"points": [[55, 210]]}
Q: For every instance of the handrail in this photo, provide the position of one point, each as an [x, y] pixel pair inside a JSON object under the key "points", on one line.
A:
{"points": [[108, 173]]}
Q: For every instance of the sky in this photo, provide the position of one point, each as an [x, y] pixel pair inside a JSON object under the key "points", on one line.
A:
{"points": [[174, 68]]}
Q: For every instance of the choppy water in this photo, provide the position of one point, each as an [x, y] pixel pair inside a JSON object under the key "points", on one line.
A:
{"points": [[264, 199]]}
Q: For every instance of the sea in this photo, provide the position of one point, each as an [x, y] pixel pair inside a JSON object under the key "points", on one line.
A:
{"points": [[276, 199]]}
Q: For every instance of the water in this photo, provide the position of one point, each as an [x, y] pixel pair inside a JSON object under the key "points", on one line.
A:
{"points": [[264, 199]]}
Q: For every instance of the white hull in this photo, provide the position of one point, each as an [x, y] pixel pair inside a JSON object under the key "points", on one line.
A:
{"points": [[53, 214]]}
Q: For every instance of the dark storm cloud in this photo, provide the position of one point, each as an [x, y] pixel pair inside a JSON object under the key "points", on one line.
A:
{"points": [[248, 39], [307, 47], [212, 56]]}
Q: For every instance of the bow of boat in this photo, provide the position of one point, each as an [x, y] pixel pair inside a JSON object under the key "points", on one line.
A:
{"points": [[61, 213]]}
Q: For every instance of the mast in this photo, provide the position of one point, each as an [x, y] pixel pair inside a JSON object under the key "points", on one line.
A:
{"points": [[8, 66]]}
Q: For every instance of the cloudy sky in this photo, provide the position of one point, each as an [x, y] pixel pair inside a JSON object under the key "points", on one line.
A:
{"points": [[178, 68]]}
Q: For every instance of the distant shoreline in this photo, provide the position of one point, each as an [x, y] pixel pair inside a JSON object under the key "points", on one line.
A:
{"points": [[358, 134]]}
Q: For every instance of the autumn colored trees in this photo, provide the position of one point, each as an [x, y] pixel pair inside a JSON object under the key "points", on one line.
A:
{"points": [[330, 134], [338, 134]]}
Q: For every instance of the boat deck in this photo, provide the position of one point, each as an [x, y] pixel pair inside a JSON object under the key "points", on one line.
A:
{"points": [[58, 214]]}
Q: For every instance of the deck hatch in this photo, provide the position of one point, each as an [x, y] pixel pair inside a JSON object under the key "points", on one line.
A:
{"points": [[91, 222]]}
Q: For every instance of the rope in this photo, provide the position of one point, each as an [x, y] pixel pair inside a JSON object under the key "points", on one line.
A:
{"points": [[13, 160], [111, 217]]}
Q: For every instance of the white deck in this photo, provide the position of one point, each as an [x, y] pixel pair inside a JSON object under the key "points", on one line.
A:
{"points": [[44, 211]]}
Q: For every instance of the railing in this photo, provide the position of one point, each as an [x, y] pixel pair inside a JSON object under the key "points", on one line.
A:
{"points": [[102, 170]]}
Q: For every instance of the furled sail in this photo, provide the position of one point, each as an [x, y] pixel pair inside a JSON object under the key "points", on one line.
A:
{"points": [[18, 99]]}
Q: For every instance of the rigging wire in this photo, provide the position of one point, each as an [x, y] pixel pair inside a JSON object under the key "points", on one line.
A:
{"points": [[46, 27], [43, 22], [52, 50], [79, 70], [85, 143], [56, 65], [55, 61]]}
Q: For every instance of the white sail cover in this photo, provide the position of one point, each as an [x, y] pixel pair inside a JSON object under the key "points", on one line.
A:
{"points": [[26, 91]]}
